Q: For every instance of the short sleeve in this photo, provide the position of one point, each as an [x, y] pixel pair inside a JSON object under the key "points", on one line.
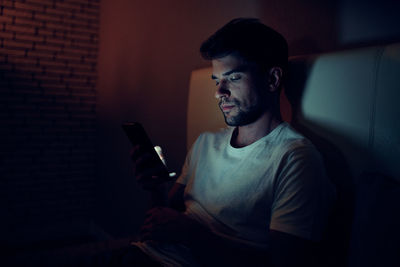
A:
{"points": [[185, 172], [184, 177], [303, 195]]}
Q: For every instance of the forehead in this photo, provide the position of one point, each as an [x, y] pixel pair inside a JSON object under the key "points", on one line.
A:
{"points": [[229, 61], [227, 64]]}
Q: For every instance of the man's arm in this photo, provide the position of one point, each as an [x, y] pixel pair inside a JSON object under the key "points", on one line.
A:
{"points": [[285, 249], [172, 199], [175, 197]]}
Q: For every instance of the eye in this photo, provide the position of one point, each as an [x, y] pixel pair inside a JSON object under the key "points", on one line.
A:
{"points": [[216, 83], [235, 77]]}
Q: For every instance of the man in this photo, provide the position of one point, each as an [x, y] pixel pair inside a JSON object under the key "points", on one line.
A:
{"points": [[253, 194]]}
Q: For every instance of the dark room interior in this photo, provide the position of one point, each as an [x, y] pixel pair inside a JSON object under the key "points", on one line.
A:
{"points": [[72, 71]]}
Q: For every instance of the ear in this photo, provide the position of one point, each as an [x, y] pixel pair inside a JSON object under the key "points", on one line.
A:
{"points": [[275, 79]]}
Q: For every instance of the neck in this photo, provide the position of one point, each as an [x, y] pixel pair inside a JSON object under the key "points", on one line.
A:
{"points": [[248, 134]]}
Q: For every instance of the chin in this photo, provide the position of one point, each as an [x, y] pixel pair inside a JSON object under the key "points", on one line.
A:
{"points": [[240, 120]]}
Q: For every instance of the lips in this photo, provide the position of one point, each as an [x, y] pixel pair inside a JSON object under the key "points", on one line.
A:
{"points": [[226, 107]]}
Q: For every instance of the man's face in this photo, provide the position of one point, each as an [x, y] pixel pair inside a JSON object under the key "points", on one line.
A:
{"points": [[239, 90]]}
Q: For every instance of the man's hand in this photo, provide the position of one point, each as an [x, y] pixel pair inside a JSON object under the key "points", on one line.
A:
{"points": [[149, 172], [166, 224]]}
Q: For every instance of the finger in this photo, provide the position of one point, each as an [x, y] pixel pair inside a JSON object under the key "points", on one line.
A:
{"points": [[149, 232], [150, 212], [144, 235], [136, 151], [152, 215], [144, 162], [155, 175], [152, 234]]}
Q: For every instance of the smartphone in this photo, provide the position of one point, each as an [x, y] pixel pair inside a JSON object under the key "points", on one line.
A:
{"points": [[138, 136]]}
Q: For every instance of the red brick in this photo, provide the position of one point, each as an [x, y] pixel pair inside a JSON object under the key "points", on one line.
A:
{"points": [[82, 45], [57, 26], [73, 59], [29, 37], [20, 28], [41, 2], [91, 75], [13, 52], [17, 12], [53, 64], [78, 22], [6, 19], [41, 53], [48, 17], [6, 35], [53, 86], [88, 14], [47, 48], [75, 51], [29, 68], [49, 32], [84, 31], [29, 21], [8, 3], [58, 12], [47, 78], [22, 60], [32, 6], [25, 84], [56, 41], [66, 25], [77, 80], [56, 72], [81, 66], [68, 5], [18, 75], [14, 44]]}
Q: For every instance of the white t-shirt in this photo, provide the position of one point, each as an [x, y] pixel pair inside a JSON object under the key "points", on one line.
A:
{"points": [[277, 182]]}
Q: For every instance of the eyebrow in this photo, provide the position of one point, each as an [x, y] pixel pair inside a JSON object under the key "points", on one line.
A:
{"points": [[238, 69]]}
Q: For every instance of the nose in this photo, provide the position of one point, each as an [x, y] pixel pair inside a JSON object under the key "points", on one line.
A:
{"points": [[222, 90]]}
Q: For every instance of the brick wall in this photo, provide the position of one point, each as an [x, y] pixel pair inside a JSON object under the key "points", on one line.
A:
{"points": [[48, 57]]}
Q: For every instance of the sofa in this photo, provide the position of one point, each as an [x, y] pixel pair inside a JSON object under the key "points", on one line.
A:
{"points": [[347, 103]]}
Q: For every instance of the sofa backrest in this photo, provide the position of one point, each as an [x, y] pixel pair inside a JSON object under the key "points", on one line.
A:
{"points": [[351, 99]]}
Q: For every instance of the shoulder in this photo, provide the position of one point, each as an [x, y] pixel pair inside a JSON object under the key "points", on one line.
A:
{"points": [[288, 143]]}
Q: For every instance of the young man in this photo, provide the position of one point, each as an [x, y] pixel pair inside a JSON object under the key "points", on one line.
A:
{"points": [[253, 194]]}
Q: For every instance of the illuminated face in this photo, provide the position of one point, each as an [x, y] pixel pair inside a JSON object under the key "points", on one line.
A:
{"points": [[239, 90]]}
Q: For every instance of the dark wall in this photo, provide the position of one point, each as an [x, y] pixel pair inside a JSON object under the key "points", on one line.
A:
{"points": [[48, 75]]}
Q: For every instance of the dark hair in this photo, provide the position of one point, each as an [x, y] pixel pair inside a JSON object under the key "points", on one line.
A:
{"points": [[249, 39]]}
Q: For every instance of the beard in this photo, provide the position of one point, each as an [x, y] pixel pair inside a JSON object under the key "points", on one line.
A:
{"points": [[244, 115]]}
